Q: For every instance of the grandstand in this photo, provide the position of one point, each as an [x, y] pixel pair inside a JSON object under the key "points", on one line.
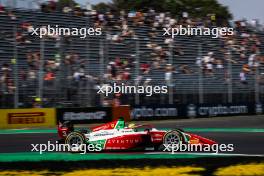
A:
{"points": [[96, 52]]}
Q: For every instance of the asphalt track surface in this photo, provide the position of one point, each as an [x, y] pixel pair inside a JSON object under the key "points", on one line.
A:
{"points": [[245, 140]]}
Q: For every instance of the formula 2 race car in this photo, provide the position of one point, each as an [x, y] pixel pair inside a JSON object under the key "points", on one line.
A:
{"points": [[116, 135]]}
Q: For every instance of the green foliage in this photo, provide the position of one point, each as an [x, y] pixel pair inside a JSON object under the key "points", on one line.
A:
{"points": [[101, 7], [66, 3], [195, 8]]}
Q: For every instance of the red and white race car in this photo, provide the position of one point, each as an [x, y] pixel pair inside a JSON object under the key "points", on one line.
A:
{"points": [[116, 135]]}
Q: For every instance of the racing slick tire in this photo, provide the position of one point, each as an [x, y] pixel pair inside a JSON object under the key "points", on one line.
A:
{"points": [[76, 142], [171, 138]]}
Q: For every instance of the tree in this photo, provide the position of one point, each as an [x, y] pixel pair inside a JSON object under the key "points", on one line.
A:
{"points": [[66, 3], [195, 8], [101, 7]]}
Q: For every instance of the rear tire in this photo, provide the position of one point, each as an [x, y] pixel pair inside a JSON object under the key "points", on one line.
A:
{"points": [[76, 141]]}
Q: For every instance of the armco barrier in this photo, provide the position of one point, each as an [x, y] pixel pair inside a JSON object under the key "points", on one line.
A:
{"points": [[192, 111], [85, 115], [27, 118]]}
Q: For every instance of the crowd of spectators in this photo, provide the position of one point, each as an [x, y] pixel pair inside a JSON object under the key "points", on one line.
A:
{"points": [[6, 81], [244, 43], [242, 49]]}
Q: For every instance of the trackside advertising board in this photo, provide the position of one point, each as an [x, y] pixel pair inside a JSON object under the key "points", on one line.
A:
{"points": [[193, 111], [211, 110], [85, 115], [27, 118], [157, 112]]}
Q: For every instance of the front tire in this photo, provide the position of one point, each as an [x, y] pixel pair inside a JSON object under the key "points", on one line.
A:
{"points": [[171, 138]]}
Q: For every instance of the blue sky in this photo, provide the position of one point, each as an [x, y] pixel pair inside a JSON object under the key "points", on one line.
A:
{"points": [[249, 9]]}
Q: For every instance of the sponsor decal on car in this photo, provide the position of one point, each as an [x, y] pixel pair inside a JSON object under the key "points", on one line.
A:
{"points": [[158, 135], [105, 133], [123, 141]]}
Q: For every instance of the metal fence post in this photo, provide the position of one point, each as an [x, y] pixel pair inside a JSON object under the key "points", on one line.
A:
{"points": [[41, 69], [59, 85], [201, 94], [230, 76], [101, 63], [171, 80], [257, 85], [137, 101], [15, 62], [87, 46]]}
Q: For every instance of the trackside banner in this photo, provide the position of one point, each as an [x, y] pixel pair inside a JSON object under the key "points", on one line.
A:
{"points": [[156, 112], [85, 115], [192, 111], [210, 110], [27, 118]]}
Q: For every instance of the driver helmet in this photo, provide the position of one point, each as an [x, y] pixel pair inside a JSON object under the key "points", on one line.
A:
{"points": [[131, 125]]}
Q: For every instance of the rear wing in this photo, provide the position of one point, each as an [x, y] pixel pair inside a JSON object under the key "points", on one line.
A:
{"points": [[65, 128]]}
